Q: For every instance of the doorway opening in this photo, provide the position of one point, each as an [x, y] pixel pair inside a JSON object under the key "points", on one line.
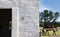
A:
{"points": [[5, 22]]}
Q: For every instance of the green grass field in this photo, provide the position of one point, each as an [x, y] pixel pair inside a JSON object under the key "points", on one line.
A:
{"points": [[51, 34]]}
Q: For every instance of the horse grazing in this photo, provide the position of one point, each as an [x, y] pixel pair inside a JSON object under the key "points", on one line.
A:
{"points": [[50, 28]]}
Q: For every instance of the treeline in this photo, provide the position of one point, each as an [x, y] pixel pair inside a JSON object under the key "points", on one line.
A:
{"points": [[48, 18], [49, 23]]}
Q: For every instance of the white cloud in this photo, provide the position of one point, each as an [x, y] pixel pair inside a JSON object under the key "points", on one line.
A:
{"points": [[58, 20]]}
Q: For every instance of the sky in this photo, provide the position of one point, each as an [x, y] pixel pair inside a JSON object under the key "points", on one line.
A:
{"points": [[53, 5]]}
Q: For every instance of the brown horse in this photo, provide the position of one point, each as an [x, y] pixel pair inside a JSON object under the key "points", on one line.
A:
{"points": [[46, 30], [54, 29]]}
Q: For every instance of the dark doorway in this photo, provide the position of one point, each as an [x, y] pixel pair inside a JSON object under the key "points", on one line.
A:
{"points": [[5, 22]]}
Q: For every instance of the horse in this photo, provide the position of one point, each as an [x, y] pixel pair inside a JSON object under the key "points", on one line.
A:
{"points": [[51, 28]]}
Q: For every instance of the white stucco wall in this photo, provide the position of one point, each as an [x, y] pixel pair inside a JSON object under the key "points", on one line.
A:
{"points": [[25, 20]]}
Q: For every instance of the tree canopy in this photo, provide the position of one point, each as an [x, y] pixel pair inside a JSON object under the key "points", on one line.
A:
{"points": [[48, 16]]}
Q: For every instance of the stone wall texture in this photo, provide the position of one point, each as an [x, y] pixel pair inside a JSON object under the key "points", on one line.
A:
{"points": [[27, 17]]}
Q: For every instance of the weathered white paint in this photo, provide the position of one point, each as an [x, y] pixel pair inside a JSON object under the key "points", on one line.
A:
{"points": [[29, 11]]}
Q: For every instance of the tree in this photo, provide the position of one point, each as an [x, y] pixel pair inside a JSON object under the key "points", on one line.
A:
{"points": [[43, 17], [48, 16]]}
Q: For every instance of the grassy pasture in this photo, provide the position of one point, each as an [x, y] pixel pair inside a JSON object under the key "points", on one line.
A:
{"points": [[51, 34]]}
